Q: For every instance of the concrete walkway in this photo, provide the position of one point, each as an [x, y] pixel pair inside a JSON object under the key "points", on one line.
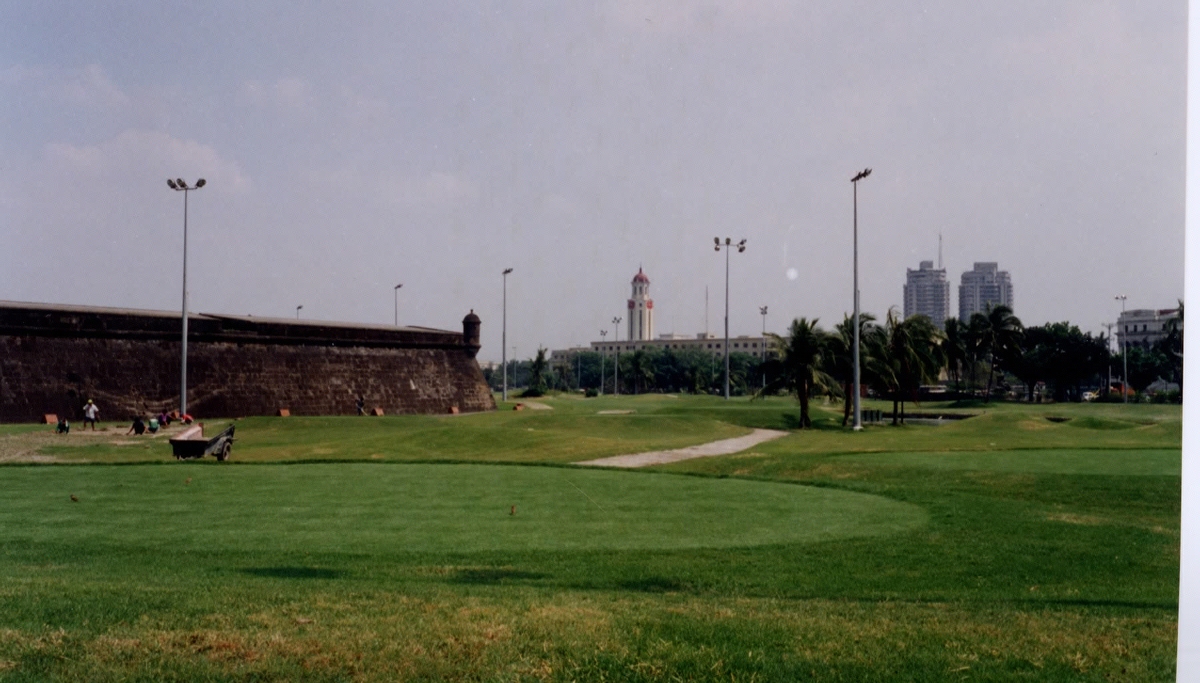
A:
{"points": [[704, 450]]}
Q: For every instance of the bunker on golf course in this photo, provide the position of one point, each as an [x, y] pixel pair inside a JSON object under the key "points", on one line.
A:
{"points": [[396, 508]]}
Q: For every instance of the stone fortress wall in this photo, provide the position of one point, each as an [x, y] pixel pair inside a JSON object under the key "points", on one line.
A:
{"points": [[53, 358]]}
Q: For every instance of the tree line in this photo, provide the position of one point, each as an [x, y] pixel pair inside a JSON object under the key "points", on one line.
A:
{"points": [[991, 355]]}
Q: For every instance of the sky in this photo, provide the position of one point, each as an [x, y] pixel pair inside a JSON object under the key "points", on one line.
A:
{"points": [[350, 147]]}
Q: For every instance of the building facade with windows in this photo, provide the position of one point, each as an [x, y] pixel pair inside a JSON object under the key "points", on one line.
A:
{"points": [[982, 288], [927, 292], [640, 333], [1144, 328]]}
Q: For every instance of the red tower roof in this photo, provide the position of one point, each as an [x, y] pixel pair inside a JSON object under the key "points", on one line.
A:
{"points": [[641, 277]]}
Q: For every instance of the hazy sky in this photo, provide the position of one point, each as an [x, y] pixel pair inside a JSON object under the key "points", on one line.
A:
{"points": [[350, 147]]}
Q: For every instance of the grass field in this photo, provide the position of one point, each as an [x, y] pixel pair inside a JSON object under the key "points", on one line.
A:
{"points": [[1004, 547]]}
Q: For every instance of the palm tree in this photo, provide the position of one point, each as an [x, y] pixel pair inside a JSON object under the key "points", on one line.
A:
{"points": [[1002, 335], [798, 365], [955, 347], [907, 355], [841, 355]]}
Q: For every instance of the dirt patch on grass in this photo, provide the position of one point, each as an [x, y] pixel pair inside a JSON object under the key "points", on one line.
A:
{"points": [[26, 447], [1084, 520]]}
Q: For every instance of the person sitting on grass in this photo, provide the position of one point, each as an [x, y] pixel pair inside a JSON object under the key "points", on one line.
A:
{"points": [[164, 419], [138, 428], [152, 425], [63, 427]]}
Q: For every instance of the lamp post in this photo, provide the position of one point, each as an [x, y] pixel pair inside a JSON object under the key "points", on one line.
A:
{"points": [[857, 378], [298, 311], [763, 310], [1108, 350], [741, 246], [603, 334], [396, 304], [504, 336], [616, 358], [180, 186], [1124, 350]]}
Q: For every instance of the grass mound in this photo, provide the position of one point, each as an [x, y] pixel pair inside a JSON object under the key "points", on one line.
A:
{"points": [[426, 508]]}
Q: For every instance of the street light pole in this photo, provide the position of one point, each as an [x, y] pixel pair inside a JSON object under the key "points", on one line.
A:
{"points": [[857, 377], [1108, 352], [617, 358], [741, 246], [180, 186], [298, 311], [1124, 350], [504, 336], [396, 304], [763, 310], [603, 334]]}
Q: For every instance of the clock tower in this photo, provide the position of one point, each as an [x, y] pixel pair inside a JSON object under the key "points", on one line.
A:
{"points": [[641, 309]]}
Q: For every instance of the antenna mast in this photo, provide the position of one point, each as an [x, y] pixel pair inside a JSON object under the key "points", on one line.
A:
{"points": [[939, 251]]}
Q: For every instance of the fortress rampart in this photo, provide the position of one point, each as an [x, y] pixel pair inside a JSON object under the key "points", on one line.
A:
{"points": [[53, 358]]}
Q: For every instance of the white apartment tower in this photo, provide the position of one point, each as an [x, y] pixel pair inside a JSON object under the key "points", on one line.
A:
{"points": [[984, 287], [641, 309], [927, 292]]}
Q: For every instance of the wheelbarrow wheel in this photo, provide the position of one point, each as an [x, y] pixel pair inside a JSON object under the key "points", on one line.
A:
{"points": [[223, 454]]}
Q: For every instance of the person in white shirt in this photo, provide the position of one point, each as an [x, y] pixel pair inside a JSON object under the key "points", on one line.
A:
{"points": [[91, 414]]}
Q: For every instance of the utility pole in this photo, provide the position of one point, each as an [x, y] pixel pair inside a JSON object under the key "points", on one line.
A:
{"points": [[503, 335], [1124, 350], [617, 358]]}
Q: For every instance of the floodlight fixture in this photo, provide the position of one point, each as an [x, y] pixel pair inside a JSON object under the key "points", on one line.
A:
{"points": [[857, 369], [179, 186], [741, 247]]}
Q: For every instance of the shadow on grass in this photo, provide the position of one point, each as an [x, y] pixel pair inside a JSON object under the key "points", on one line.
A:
{"points": [[654, 584], [494, 576], [294, 573]]}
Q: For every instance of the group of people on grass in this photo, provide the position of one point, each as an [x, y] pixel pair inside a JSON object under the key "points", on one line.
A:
{"points": [[141, 424]]}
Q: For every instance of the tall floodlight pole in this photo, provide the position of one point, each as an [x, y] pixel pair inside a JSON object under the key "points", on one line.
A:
{"points": [[741, 246], [298, 311], [504, 337], [396, 304], [617, 357], [1124, 350], [857, 378], [763, 310], [180, 186], [603, 334]]}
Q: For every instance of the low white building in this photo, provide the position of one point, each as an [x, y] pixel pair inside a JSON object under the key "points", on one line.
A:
{"points": [[1145, 327]]}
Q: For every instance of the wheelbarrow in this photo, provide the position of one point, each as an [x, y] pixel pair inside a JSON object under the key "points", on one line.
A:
{"points": [[192, 444]]}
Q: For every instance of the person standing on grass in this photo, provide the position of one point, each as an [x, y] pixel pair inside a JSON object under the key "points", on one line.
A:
{"points": [[358, 405], [91, 413]]}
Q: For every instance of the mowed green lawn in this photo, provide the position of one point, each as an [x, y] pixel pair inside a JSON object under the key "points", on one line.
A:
{"points": [[1003, 547]]}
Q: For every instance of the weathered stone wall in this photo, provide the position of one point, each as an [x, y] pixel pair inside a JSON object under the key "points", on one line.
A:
{"points": [[52, 359]]}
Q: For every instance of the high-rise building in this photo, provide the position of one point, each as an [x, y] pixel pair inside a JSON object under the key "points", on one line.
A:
{"points": [[927, 292], [982, 288], [641, 309]]}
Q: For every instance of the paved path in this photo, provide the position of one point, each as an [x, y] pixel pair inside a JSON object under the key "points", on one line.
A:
{"points": [[704, 450]]}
